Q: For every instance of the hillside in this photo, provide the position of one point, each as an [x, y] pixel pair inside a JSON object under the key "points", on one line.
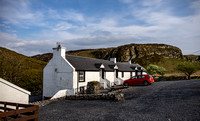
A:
{"points": [[143, 54], [21, 70], [163, 55]]}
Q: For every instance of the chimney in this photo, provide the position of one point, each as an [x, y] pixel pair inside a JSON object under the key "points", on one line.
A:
{"points": [[59, 51], [129, 61], [114, 60]]}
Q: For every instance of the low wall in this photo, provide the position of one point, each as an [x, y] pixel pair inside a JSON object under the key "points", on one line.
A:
{"points": [[173, 78], [110, 96]]}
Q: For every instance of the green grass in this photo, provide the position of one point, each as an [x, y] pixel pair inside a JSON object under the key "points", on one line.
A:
{"points": [[169, 64], [21, 70]]}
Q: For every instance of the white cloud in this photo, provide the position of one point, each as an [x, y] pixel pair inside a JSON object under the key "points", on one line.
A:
{"points": [[150, 3], [72, 15], [65, 15], [26, 47], [195, 5], [18, 12], [62, 26]]}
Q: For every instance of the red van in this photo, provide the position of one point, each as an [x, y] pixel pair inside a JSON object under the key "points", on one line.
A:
{"points": [[139, 79]]}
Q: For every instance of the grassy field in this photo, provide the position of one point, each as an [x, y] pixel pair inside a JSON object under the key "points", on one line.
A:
{"points": [[170, 64], [21, 70]]}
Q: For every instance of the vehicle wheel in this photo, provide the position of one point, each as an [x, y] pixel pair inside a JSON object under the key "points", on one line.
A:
{"points": [[126, 84], [146, 83]]}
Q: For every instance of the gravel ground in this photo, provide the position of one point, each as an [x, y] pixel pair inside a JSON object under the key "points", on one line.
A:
{"points": [[161, 101]]}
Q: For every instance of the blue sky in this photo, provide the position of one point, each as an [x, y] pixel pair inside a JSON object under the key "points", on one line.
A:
{"points": [[34, 26]]}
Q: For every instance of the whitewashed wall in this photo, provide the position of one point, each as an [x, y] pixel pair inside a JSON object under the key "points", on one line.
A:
{"points": [[139, 73], [75, 80], [126, 75], [57, 75], [92, 75], [89, 76], [12, 93]]}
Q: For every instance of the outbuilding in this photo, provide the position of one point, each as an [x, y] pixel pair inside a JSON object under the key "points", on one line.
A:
{"points": [[12, 93]]}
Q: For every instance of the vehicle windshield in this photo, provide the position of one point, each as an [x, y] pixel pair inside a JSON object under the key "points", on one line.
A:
{"points": [[150, 76]]}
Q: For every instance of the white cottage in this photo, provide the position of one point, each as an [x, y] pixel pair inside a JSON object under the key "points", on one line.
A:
{"points": [[13, 93], [74, 72]]}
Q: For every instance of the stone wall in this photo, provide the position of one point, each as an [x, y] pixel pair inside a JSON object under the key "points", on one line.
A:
{"points": [[111, 96]]}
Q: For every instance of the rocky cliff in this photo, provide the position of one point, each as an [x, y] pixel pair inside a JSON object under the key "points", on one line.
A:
{"points": [[143, 54]]}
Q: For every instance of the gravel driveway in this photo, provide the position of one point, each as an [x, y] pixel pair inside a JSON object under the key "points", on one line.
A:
{"points": [[162, 101]]}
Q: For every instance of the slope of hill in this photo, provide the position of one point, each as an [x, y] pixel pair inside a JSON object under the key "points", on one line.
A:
{"points": [[21, 70], [163, 55], [192, 58], [143, 54]]}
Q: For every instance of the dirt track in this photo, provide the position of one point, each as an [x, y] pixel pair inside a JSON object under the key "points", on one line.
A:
{"points": [[162, 101]]}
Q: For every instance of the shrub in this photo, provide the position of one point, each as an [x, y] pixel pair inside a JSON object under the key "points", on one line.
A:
{"points": [[161, 71], [154, 69], [93, 87]]}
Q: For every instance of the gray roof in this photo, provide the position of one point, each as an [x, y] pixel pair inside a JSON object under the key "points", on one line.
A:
{"points": [[92, 64]]}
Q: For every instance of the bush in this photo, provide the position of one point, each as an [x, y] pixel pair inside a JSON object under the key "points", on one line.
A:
{"points": [[93, 87], [161, 71], [154, 69]]}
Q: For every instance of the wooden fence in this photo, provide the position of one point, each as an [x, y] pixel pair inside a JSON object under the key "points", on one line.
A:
{"points": [[18, 112]]}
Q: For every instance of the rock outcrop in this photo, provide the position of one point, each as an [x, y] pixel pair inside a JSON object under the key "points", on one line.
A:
{"points": [[133, 51]]}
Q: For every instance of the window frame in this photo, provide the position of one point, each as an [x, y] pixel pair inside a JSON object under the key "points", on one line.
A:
{"points": [[81, 73]]}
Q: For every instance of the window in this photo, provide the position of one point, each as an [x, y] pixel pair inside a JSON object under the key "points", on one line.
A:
{"points": [[122, 74], [143, 76], [135, 77], [81, 76]]}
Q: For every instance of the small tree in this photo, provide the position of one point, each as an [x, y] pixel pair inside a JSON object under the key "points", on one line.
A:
{"points": [[152, 69], [187, 68], [161, 71]]}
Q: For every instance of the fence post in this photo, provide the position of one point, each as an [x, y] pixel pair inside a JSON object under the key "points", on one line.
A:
{"points": [[5, 118], [4, 106], [17, 107], [36, 113]]}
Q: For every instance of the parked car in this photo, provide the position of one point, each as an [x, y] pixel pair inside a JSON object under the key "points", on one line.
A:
{"points": [[139, 79]]}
